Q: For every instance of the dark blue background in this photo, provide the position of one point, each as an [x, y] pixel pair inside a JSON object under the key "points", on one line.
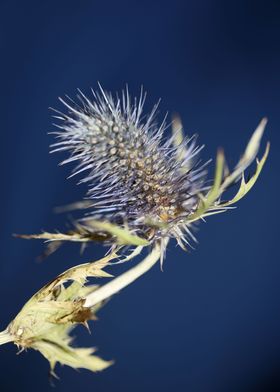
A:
{"points": [[210, 322]]}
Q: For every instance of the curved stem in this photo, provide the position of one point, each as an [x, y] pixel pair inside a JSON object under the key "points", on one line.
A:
{"points": [[125, 279]]}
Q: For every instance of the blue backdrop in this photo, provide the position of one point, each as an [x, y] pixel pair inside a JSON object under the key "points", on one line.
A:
{"points": [[210, 322]]}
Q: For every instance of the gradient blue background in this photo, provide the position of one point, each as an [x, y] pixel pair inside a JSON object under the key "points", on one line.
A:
{"points": [[210, 322]]}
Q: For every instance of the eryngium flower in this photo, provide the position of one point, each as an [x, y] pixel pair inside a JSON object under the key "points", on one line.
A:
{"points": [[142, 190], [153, 186], [134, 176]]}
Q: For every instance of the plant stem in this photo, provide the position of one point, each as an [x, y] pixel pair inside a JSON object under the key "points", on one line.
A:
{"points": [[5, 337], [125, 279]]}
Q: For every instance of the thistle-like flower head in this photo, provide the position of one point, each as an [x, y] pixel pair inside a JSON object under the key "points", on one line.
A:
{"points": [[135, 177], [153, 186]]}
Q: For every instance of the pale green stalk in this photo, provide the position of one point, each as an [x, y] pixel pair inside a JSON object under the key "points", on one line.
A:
{"points": [[5, 337], [125, 279]]}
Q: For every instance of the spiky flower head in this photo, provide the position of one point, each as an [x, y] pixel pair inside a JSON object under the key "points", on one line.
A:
{"points": [[139, 180], [135, 177]]}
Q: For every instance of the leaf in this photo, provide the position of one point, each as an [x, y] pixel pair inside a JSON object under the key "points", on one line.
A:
{"points": [[213, 194], [178, 139], [185, 147], [74, 236], [246, 186], [93, 230], [79, 274], [248, 156], [211, 204], [66, 355], [46, 320], [123, 236], [253, 146]]}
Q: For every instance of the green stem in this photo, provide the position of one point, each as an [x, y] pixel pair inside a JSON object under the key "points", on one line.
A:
{"points": [[5, 337], [125, 279]]}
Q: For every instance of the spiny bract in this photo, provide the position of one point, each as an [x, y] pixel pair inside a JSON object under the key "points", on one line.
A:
{"points": [[142, 190], [134, 175]]}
